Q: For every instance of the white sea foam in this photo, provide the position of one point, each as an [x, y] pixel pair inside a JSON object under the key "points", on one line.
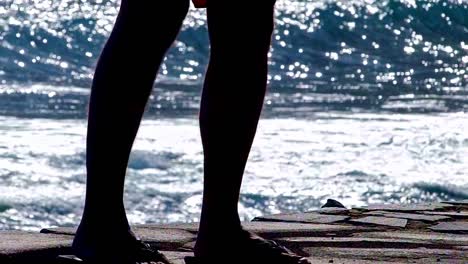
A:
{"points": [[295, 165]]}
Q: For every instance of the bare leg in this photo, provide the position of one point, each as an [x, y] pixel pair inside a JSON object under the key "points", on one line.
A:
{"points": [[231, 105], [122, 84]]}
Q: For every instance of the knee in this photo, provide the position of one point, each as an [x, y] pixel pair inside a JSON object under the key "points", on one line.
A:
{"points": [[256, 23]]}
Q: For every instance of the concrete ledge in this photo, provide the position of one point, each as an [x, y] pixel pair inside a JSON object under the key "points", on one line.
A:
{"points": [[424, 233], [27, 247]]}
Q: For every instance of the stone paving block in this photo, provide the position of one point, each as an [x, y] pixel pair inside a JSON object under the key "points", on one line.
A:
{"points": [[455, 227], [267, 229], [426, 260], [409, 216], [191, 227], [176, 257], [164, 238], [406, 207], [18, 246], [18, 241], [447, 239], [72, 230], [459, 214], [410, 255], [316, 260], [383, 221], [310, 217], [282, 229], [354, 242], [462, 202], [273, 229], [371, 238]]}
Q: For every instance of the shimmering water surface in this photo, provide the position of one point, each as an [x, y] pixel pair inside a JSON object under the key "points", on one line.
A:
{"points": [[367, 103]]}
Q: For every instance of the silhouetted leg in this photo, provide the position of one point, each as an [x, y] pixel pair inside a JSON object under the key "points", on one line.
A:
{"points": [[122, 84], [231, 105]]}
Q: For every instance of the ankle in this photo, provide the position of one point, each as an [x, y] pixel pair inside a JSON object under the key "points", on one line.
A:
{"points": [[219, 227], [90, 229], [211, 235], [105, 218], [209, 243]]}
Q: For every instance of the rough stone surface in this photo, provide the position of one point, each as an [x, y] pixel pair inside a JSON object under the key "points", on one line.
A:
{"points": [[455, 227], [409, 216], [268, 229], [278, 229], [383, 221], [59, 230], [406, 207], [177, 257], [409, 255], [333, 211], [27, 246], [191, 227], [164, 238], [354, 242], [310, 217], [462, 202], [457, 214], [435, 233], [334, 260], [13, 242], [333, 204], [431, 237]]}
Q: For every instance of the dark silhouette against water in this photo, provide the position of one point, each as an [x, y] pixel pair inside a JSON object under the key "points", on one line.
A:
{"points": [[232, 100]]}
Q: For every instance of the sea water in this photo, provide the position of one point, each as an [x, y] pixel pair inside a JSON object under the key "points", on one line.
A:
{"points": [[367, 103]]}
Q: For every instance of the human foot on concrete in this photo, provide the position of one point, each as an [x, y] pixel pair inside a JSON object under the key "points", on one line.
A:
{"points": [[246, 248], [114, 248]]}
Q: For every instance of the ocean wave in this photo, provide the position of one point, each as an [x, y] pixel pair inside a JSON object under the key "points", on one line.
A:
{"points": [[373, 52], [141, 160], [442, 190]]}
